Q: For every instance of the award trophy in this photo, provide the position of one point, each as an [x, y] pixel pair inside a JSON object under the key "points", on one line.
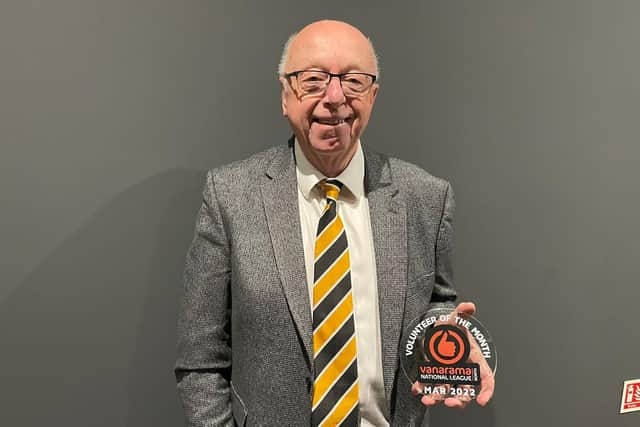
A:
{"points": [[445, 354]]}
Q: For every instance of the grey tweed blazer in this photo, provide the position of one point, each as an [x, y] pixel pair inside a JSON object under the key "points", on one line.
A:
{"points": [[244, 330]]}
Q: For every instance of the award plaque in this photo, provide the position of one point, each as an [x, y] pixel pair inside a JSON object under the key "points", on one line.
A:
{"points": [[445, 354]]}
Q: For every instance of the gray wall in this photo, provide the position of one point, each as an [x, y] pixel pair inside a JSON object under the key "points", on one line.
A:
{"points": [[111, 111]]}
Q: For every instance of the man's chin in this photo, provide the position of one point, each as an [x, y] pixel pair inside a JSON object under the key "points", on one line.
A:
{"points": [[330, 146]]}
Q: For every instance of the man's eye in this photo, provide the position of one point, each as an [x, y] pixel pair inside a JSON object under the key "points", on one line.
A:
{"points": [[355, 79], [313, 83]]}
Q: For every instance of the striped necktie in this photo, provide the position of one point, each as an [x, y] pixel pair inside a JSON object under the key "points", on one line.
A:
{"points": [[335, 390]]}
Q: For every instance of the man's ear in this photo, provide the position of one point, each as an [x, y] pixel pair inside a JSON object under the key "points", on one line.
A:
{"points": [[283, 95], [374, 93]]}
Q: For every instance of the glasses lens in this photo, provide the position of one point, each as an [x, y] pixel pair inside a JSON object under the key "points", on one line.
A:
{"points": [[312, 82], [356, 83]]}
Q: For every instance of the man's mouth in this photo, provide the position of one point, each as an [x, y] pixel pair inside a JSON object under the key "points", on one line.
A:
{"points": [[331, 121]]}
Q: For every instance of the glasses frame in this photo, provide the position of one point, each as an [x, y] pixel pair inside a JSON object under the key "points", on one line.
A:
{"points": [[331, 76]]}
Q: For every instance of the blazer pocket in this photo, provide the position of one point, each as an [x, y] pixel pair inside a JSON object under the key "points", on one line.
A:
{"points": [[421, 285], [238, 408]]}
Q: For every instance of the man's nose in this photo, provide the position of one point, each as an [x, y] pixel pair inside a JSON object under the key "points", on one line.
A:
{"points": [[334, 94]]}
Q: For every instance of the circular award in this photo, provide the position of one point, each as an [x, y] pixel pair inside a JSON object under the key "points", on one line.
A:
{"points": [[446, 354]]}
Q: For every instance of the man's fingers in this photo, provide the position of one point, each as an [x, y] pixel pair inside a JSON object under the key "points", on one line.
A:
{"points": [[454, 402], [466, 308], [416, 388], [428, 400], [457, 401], [462, 310], [438, 392], [488, 384], [484, 397]]}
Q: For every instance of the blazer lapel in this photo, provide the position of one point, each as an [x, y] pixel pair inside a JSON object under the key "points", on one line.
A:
{"points": [[280, 197], [388, 225]]}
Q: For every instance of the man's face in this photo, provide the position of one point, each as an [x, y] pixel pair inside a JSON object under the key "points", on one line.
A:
{"points": [[328, 125]]}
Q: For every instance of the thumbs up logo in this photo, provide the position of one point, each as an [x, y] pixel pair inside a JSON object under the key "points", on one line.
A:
{"points": [[447, 348], [447, 345]]}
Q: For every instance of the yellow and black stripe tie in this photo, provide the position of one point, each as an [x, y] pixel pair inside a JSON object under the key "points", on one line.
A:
{"points": [[335, 389]]}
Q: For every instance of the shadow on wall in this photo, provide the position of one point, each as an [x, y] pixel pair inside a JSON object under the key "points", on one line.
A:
{"points": [[89, 337]]}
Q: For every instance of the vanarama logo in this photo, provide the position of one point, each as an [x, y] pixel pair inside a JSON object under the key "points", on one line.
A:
{"points": [[446, 348], [446, 370]]}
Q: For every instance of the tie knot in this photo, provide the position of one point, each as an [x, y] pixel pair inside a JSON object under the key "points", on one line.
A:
{"points": [[331, 188]]}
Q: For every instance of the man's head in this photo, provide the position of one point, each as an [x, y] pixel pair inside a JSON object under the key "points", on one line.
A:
{"points": [[328, 121]]}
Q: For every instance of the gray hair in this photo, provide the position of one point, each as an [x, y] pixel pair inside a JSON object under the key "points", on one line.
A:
{"points": [[282, 65]]}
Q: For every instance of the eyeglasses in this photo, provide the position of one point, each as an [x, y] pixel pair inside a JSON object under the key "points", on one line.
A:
{"points": [[315, 82]]}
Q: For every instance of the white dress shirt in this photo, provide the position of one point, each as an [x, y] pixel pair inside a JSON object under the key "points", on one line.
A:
{"points": [[353, 208]]}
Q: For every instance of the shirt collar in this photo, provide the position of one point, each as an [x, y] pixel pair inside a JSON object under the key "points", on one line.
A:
{"points": [[308, 176]]}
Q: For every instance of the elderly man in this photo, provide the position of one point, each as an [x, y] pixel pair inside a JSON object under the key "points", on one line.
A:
{"points": [[309, 259]]}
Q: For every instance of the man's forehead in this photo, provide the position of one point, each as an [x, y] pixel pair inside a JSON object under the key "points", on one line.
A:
{"points": [[341, 49], [334, 60]]}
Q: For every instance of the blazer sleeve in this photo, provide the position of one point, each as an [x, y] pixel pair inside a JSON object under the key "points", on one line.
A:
{"points": [[444, 294], [203, 365]]}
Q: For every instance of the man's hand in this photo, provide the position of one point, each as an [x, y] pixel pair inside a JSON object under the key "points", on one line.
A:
{"points": [[487, 381]]}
